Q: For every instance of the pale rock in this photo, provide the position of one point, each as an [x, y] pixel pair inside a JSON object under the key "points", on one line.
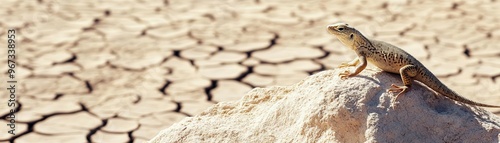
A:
{"points": [[325, 108], [194, 108]]}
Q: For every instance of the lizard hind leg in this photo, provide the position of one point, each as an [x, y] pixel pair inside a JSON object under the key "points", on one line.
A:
{"points": [[407, 73]]}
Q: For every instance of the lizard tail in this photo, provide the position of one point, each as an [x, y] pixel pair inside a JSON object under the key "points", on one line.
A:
{"points": [[435, 84]]}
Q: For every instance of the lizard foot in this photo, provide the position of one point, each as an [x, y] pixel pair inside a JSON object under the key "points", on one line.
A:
{"points": [[344, 75], [400, 89], [395, 88]]}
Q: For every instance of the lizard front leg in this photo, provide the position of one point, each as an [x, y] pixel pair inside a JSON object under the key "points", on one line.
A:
{"points": [[359, 67], [351, 63], [407, 73]]}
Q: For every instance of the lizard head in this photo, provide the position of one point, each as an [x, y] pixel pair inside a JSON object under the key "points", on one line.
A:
{"points": [[344, 33]]}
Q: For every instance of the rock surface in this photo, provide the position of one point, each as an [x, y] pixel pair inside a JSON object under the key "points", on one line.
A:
{"points": [[324, 108]]}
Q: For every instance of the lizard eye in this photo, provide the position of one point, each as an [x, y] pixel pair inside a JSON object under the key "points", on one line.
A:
{"points": [[340, 29]]}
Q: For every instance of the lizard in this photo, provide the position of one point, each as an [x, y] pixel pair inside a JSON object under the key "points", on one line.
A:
{"points": [[391, 59]]}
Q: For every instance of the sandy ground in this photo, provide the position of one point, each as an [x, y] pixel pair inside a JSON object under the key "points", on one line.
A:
{"points": [[120, 71]]}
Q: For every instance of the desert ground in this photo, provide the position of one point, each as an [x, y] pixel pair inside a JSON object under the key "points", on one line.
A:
{"points": [[121, 71]]}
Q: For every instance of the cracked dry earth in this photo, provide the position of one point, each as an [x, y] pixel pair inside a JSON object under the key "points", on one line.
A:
{"points": [[121, 71]]}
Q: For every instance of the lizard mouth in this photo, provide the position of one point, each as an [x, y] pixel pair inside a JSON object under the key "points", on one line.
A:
{"points": [[331, 29], [337, 28]]}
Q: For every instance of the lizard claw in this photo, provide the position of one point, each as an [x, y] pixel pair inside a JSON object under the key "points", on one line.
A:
{"points": [[345, 74], [395, 88], [400, 89]]}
